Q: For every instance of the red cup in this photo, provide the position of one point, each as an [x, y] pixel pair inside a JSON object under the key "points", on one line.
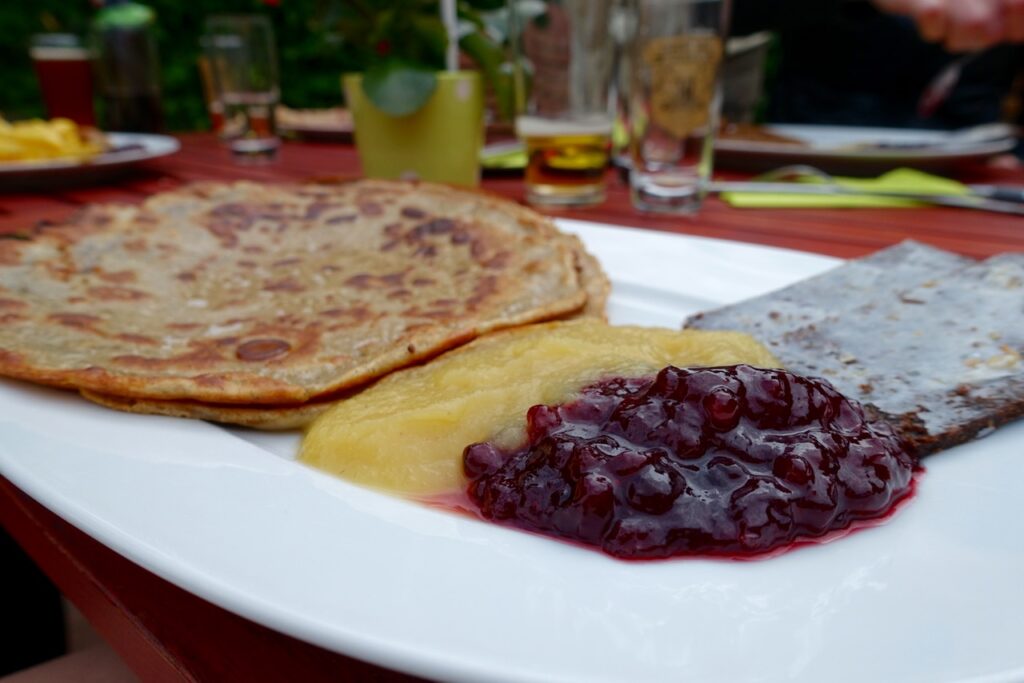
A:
{"points": [[64, 69]]}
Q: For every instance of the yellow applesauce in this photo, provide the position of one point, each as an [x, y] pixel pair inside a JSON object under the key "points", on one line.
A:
{"points": [[407, 432]]}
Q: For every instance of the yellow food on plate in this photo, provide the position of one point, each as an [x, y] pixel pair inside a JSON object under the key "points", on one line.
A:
{"points": [[407, 432], [37, 140]]}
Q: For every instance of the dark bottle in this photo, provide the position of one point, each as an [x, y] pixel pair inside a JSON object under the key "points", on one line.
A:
{"points": [[128, 67]]}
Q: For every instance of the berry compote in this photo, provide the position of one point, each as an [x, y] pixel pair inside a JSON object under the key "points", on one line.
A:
{"points": [[733, 461]]}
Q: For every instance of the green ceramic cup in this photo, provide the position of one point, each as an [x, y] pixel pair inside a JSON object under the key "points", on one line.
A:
{"points": [[440, 142]]}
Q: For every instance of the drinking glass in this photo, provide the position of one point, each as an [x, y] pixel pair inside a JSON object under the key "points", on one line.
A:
{"points": [[211, 98], [127, 65], [674, 101], [563, 70], [64, 68], [242, 62]]}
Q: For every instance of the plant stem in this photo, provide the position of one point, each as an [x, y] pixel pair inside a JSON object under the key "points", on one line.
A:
{"points": [[448, 18]]}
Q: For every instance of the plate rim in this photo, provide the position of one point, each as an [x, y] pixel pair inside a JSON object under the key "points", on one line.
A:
{"points": [[755, 148]]}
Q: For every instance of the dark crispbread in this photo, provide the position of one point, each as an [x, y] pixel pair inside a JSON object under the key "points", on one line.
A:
{"points": [[933, 341]]}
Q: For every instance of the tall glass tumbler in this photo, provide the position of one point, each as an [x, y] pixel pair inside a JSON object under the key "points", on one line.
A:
{"points": [[128, 67], [242, 62], [563, 72], [675, 97], [214, 107]]}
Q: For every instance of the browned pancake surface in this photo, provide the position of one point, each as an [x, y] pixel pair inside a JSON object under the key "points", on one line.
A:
{"points": [[270, 294]]}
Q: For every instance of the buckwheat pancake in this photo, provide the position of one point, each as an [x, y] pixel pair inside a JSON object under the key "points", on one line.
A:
{"points": [[274, 295], [266, 417]]}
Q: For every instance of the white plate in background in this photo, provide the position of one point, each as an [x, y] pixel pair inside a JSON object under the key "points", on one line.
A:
{"points": [[856, 150]]}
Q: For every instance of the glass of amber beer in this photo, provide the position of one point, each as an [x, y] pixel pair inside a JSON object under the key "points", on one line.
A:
{"points": [[563, 71]]}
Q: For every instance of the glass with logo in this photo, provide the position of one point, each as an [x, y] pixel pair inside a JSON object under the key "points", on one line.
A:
{"points": [[675, 96], [241, 59]]}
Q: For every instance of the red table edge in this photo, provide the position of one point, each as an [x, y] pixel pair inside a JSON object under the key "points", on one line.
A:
{"points": [[28, 523], [47, 538]]}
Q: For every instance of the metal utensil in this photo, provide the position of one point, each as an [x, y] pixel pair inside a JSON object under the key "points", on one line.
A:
{"points": [[941, 86]]}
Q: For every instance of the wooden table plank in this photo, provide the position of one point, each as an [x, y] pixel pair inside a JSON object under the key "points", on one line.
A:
{"points": [[844, 233], [141, 615]]}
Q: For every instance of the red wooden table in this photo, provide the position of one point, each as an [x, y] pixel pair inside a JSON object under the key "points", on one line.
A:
{"points": [[165, 633]]}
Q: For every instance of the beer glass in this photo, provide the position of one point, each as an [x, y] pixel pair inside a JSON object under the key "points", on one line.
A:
{"points": [[64, 68], [562, 73], [674, 101]]}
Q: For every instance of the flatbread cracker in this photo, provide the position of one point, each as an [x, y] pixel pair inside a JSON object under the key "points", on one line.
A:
{"points": [[930, 340]]}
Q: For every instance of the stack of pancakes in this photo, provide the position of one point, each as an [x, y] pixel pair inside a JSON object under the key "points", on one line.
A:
{"points": [[261, 304]]}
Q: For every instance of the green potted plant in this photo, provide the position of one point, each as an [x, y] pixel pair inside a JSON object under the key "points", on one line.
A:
{"points": [[416, 114]]}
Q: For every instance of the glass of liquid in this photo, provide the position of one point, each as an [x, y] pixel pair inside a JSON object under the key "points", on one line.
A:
{"points": [[562, 74], [128, 67], [64, 68], [214, 107], [676, 55], [241, 59]]}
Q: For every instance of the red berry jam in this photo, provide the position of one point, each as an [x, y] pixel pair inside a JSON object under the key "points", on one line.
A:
{"points": [[732, 461]]}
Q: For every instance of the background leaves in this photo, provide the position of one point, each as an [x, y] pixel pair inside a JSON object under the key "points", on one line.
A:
{"points": [[317, 41], [311, 54]]}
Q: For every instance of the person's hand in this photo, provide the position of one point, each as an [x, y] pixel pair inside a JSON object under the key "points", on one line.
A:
{"points": [[962, 25]]}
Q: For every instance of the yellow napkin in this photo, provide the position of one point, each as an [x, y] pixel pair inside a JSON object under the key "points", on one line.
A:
{"points": [[898, 180], [503, 157]]}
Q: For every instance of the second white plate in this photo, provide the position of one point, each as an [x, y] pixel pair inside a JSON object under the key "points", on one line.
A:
{"points": [[855, 150]]}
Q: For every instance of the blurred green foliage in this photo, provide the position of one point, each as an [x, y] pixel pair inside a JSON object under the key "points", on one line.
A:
{"points": [[403, 45], [311, 56]]}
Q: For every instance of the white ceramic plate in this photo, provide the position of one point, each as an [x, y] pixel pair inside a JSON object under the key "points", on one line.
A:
{"points": [[934, 595], [841, 149], [127, 149]]}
